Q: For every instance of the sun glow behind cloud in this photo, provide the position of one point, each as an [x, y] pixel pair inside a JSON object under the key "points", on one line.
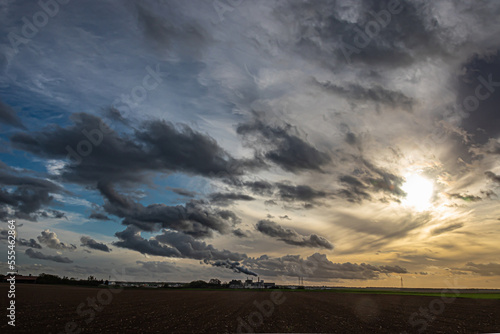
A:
{"points": [[418, 191]]}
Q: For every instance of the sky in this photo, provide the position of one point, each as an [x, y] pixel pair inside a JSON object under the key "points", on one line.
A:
{"points": [[351, 143]]}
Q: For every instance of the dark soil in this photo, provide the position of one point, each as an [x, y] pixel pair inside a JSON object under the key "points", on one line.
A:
{"points": [[54, 309]]}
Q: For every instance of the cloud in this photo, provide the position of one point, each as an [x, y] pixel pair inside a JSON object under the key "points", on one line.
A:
{"points": [[154, 146], [182, 192], [378, 94], [194, 249], [8, 116], [317, 267], [356, 191], [28, 194], [195, 218], [173, 244], [240, 233], [39, 255], [91, 243], [53, 213], [4, 235], [287, 150], [285, 119], [28, 243], [158, 266], [131, 238], [260, 187], [449, 228], [290, 193], [50, 240], [492, 176], [368, 181], [291, 237], [185, 40], [414, 33], [392, 269], [98, 216], [225, 199], [467, 198], [489, 269], [480, 77], [235, 266]]}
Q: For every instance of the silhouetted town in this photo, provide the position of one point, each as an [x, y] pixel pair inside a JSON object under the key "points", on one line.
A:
{"points": [[93, 281]]}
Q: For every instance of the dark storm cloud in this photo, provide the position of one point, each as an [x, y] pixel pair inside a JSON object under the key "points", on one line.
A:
{"points": [[317, 267], [235, 266], [115, 115], [356, 191], [50, 240], [376, 94], [182, 192], [186, 150], [230, 216], [240, 233], [194, 249], [98, 216], [39, 255], [195, 218], [9, 116], [155, 146], [479, 96], [173, 244], [186, 40], [130, 238], [286, 149], [321, 33], [494, 148], [91, 243], [260, 187], [28, 243], [290, 193], [383, 180], [228, 198], [53, 213], [4, 235], [351, 138], [29, 195], [449, 228], [392, 269], [286, 192], [291, 237], [370, 179], [492, 176]]}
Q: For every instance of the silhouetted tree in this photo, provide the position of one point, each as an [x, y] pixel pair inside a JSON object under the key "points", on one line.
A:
{"points": [[214, 281], [198, 284]]}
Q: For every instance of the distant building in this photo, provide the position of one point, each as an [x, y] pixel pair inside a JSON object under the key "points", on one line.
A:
{"points": [[259, 284], [235, 284]]}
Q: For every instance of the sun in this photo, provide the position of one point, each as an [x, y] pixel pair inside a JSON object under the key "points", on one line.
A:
{"points": [[418, 191]]}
